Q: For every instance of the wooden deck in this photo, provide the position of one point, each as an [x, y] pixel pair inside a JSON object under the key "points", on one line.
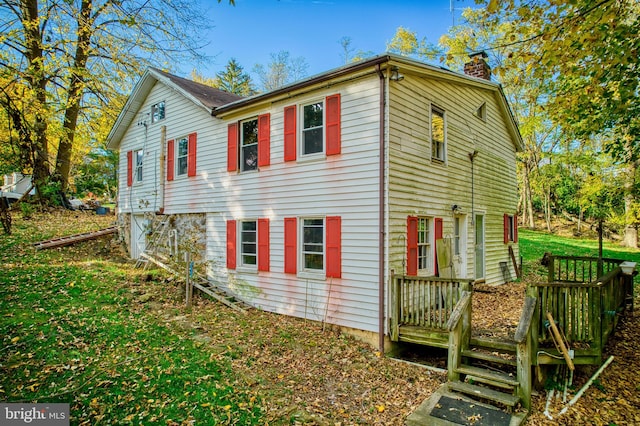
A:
{"points": [[584, 296]]}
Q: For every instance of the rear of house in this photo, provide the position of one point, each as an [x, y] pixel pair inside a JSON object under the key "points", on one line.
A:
{"points": [[304, 200]]}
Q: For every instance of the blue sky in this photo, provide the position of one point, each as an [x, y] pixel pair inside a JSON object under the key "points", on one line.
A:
{"points": [[252, 30]]}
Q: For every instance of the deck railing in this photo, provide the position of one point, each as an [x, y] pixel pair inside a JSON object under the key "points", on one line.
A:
{"points": [[579, 269], [424, 301]]}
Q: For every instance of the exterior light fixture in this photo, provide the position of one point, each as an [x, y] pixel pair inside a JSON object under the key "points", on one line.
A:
{"points": [[395, 74]]}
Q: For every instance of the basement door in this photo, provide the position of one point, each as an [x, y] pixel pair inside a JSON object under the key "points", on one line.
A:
{"points": [[479, 246], [138, 235]]}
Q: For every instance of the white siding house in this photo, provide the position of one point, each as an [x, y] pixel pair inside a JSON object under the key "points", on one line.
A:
{"points": [[306, 199]]}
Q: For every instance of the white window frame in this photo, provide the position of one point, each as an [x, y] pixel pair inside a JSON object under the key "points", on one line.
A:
{"points": [[426, 252], [438, 148], [243, 160], [241, 252], [511, 237], [304, 130], [158, 112], [138, 157], [458, 226], [301, 248], [179, 157]]}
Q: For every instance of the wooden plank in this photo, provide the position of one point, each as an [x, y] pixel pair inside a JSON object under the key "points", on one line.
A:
{"points": [[72, 239], [485, 393]]}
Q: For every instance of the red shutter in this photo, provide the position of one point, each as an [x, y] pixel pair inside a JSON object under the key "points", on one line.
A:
{"points": [[437, 235], [191, 154], [263, 244], [333, 124], [412, 245], [505, 226], [264, 140], [290, 133], [129, 168], [231, 244], [515, 227], [232, 147], [290, 245], [334, 246], [170, 160]]}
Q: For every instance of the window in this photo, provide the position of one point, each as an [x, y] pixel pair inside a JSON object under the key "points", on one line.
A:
{"points": [[320, 246], [421, 235], [481, 112], [425, 255], [438, 134], [254, 244], [181, 157], [510, 223], [319, 127], [138, 172], [157, 112], [313, 244], [312, 128], [249, 145], [249, 243]]}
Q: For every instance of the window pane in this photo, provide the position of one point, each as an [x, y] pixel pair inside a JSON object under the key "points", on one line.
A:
{"points": [[312, 115], [437, 134], [157, 112], [249, 132], [248, 246], [313, 261], [312, 141], [313, 243], [249, 158], [182, 165], [183, 147]]}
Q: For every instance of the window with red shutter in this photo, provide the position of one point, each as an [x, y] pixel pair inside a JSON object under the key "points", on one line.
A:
{"points": [[290, 245], [437, 235], [263, 244], [412, 245], [333, 124], [170, 159], [129, 168], [231, 244], [334, 247], [191, 156], [290, 118], [232, 147], [264, 140]]}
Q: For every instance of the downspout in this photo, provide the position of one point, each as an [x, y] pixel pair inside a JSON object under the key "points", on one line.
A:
{"points": [[162, 160], [381, 266]]}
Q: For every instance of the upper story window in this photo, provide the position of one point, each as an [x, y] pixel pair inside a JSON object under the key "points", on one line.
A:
{"points": [[139, 156], [249, 145], [438, 134], [312, 128], [510, 223], [157, 112], [182, 155]]}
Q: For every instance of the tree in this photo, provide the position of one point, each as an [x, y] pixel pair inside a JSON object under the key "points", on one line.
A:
{"points": [[591, 51], [68, 58], [406, 43], [281, 70], [233, 79]]}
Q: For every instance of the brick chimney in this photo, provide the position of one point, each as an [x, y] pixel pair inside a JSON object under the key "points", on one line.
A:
{"points": [[477, 66]]}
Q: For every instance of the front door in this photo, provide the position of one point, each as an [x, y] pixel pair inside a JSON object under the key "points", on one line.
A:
{"points": [[479, 246], [138, 235]]}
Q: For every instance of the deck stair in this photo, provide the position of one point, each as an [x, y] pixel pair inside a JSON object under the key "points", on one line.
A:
{"points": [[76, 238], [156, 253]]}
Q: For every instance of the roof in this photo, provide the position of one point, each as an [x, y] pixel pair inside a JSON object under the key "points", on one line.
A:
{"points": [[203, 96], [220, 103]]}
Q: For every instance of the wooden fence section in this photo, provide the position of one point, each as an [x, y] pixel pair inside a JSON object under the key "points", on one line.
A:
{"points": [[575, 269], [585, 311], [424, 303]]}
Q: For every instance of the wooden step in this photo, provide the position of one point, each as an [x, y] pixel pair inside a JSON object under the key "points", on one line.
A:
{"points": [[494, 378], [485, 393], [492, 344], [484, 356]]}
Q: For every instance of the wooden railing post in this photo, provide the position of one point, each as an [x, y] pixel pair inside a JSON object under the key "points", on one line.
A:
{"points": [[457, 340], [524, 337]]}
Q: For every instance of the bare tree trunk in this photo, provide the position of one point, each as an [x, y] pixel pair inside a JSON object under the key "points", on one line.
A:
{"points": [[74, 94], [528, 207], [547, 209]]}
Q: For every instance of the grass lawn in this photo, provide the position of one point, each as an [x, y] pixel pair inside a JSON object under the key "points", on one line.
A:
{"points": [[81, 325]]}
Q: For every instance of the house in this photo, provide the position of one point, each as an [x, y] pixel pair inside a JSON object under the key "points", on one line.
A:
{"points": [[307, 199], [15, 186]]}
